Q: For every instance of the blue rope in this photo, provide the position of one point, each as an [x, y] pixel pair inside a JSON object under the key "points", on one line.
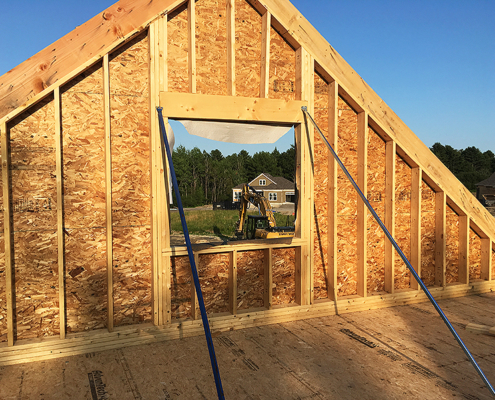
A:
{"points": [[206, 326], [404, 258]]}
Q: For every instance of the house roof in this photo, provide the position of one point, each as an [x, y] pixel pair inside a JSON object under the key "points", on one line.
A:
{"points": [[279, 183], [488, 182]]}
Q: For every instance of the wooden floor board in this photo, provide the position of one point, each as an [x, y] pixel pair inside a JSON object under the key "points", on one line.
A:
{"points": [[398, 352]]}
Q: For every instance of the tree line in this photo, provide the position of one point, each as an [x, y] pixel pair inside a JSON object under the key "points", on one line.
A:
{"points": [[469, 165], [205, 178]]}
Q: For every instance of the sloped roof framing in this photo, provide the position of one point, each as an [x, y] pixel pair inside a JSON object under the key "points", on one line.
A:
{"points": [[59, 63]]}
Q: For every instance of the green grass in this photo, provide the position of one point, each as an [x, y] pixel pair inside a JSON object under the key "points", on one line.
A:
{"points": [[218, 222]]}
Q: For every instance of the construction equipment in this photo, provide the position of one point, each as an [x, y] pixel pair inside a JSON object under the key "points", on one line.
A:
{"points": [[261, 226]]}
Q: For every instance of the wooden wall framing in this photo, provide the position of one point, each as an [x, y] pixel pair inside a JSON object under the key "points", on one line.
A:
{"points": [[101, 119]]}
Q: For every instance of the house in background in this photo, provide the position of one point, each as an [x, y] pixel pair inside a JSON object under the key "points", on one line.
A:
{"points": [[277, 190], [485, 191]]}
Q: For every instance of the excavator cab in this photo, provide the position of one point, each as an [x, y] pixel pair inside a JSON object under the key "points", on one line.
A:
{"points": [[256, 223]]}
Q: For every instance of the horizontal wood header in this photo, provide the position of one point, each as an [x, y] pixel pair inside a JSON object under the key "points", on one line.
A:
{"points": [[226, 108]]}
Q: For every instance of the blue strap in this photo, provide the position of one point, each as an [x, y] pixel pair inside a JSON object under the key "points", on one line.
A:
{"points": [[404, 258], [206, 325]]}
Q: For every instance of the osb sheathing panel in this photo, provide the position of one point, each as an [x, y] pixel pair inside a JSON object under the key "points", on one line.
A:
{"points": [[129, 68], [131, 186], [213, 273], [427, 235], [282, 68], [250, 279], [474, 256], [283, 276], [321, 159], [452, 252], [376, 195], [84, 202], [247, 50], [34, 216], [402, 221], [177, 51], [84, 154], [36, 284], [34, 185], [181, 287], [211, 47], [132, 275], [130, 139], [86, 279], [347, 202]]}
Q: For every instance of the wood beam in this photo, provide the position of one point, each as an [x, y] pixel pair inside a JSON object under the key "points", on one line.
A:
{"points": [[233, 282], [486, 259], [268, 276], [7, 233], [464, 249], [304, 179], [191, 29], [325, 55], [60, 211], [163, 50], [70, 55], [231, 47], [160, 292], [108, 188], [161, 174], [416, 182], [226, 108], [50, 348], [265, 55], [333, 121], [440, 239], [362, 210], [390, 156]]}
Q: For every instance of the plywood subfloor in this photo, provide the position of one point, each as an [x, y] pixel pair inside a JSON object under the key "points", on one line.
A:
{"points": [[401, 352]]}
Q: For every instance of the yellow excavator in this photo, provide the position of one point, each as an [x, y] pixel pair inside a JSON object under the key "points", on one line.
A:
{"points": [[261, 226]]}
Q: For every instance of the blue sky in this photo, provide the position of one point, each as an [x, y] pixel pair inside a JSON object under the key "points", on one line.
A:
{"points": [[431, 61]]}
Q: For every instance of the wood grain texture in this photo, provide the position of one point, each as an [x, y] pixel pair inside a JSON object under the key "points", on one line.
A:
{"points": [[452, 251], [427, 235], [297, 28], [402, 222], [89, 40], [321, 183], [474, 256], [282, 68], [211, 47], [34, 213], [132, 275], [178, 48], [84, 201], [250, 279], [347, 202], [248, 40], [376, 197], [86, 279], [213, 273], [36, 284], [283, 276], [181, 287]]}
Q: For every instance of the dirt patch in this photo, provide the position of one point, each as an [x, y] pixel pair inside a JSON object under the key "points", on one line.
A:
{"points": [[491, 210], [177, 239]]}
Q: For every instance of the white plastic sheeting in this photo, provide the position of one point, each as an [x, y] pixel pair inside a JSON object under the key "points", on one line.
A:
{"points": [[232, 132]]}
